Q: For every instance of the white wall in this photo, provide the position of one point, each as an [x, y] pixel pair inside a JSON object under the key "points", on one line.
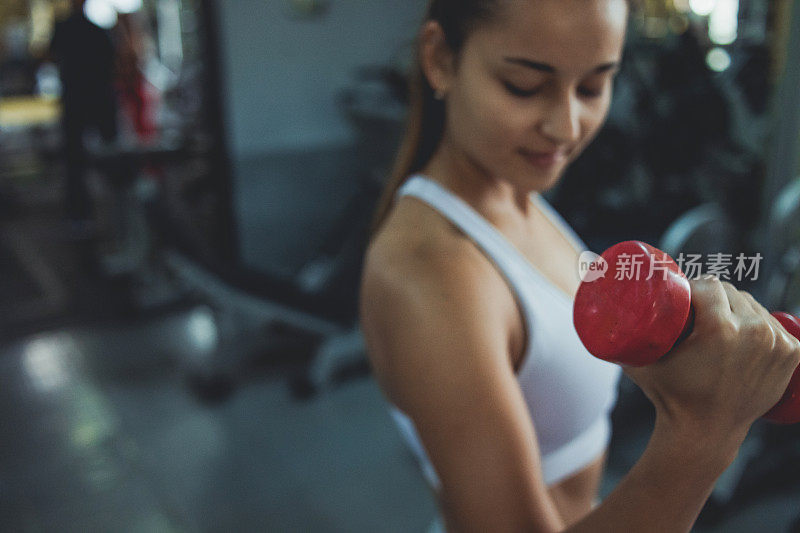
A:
{"points": [[281, 73]]}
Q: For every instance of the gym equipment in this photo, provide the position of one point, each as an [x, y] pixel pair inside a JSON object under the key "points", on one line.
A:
{"points": [[313, 313], [784, 286], [634, 320], [246, 323], [125, 256], [121, 166], [701, 230]]}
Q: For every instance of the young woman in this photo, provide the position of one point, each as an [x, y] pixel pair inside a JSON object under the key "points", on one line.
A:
{"points": [[468, 284]]}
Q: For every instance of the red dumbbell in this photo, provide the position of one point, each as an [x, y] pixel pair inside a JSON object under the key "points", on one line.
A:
{"points": [[641, 309], [787, 410]]}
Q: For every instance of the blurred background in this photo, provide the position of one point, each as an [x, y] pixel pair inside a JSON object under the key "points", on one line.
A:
{"points": [[185, 190]]}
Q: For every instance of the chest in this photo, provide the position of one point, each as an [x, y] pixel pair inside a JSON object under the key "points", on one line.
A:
{"points": [[553, 255], [549, 250]]}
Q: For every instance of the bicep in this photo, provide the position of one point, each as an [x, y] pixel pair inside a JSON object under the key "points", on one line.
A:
{"points": [[445, 362], [476, 428]]}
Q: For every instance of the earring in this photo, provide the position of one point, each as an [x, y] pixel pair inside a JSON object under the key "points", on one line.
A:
{"points": [[439, 95]]}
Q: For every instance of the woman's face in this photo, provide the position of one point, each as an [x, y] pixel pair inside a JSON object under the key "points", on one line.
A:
{"points": [[533, 88]]}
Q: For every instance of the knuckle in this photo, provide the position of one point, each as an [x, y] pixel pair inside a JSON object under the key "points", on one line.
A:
{"points": [[770, 338], [791, 346], [759, 332], [728, 286], [704, 284], [784, 350], [782, 344], [791, 359], [747, 296], [761, 309], [727, 329]]}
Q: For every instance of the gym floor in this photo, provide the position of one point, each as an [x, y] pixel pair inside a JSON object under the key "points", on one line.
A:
{"points": [[102, 433]]}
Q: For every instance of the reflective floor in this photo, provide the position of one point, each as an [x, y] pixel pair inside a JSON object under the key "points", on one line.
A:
{"points": [[100, 433]]}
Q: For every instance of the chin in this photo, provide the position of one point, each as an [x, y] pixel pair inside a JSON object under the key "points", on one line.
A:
{"points": [[542, 181]]}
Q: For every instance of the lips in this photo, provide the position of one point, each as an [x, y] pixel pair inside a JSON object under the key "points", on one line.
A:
{"points": [[543, 159]]}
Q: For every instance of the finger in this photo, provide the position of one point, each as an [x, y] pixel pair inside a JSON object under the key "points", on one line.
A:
{"points": [[757, 307], [738, 303], [764, 313], [789, 340], [709, 299]]}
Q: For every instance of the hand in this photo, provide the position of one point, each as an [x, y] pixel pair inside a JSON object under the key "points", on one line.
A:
{"points": [[732, 368]]}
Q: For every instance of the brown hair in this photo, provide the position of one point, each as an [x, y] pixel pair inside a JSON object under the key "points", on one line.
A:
{"points": [[426, 115], [425, 120]]}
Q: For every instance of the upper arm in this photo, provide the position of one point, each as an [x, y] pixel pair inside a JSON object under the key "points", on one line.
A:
{"points": [[438, 341]]}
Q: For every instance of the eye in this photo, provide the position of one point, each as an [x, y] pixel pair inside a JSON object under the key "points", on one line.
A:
{"points": [[522, 93], [589, 93], [596, 88]]}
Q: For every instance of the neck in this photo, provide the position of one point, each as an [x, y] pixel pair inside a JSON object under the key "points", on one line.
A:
{"points": [[492, 196]]}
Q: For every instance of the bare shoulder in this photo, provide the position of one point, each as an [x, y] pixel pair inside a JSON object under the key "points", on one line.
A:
{"points": [[417, 251], [417, 246], [426, 289]]}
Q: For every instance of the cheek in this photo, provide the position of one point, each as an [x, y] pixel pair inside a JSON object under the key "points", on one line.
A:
{"points": [[491, 123], [593, 123], [589, 130]]}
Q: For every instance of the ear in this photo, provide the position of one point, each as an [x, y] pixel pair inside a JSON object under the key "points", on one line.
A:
{"points": [[436, 58]]}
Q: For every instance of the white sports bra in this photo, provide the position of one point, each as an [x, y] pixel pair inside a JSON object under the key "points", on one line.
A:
{"points": [[569, 393]]}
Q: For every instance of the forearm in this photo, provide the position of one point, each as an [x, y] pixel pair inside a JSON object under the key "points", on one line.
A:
{"points": [[668, 486]]}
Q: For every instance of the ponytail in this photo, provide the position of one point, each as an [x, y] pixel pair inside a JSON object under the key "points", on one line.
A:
{"points": [[425, 121], [424, 126]]}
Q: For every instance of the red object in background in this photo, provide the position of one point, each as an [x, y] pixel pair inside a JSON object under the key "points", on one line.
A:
{"points": [[137, 97], [633, 321], [138, 104], [787, 410]]}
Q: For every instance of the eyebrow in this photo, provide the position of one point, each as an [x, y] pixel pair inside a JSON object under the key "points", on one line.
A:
{"points": [[544, 67]]}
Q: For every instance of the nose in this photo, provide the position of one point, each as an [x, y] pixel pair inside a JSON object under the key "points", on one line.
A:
{"points": [[561, 123]]}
